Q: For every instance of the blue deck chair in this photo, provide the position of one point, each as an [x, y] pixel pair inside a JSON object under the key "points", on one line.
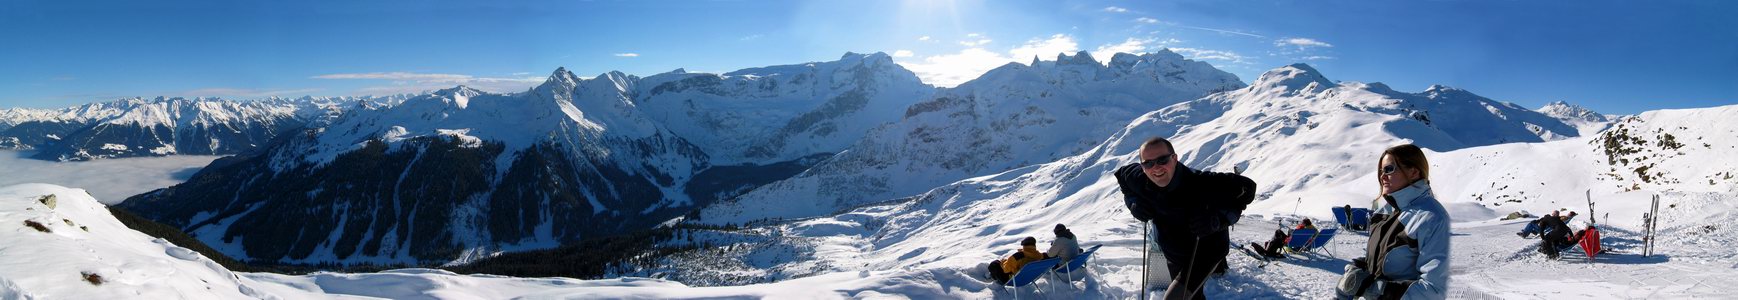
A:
{"points": [[1030, 273], [1360, 217], [1308, 240], [1076, 264]]}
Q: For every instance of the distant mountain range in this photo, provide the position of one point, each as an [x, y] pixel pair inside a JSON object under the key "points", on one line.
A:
{"points": [[460, 173], [166, 126]]}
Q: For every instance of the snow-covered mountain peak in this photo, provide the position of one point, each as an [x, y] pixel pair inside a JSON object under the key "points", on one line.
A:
{"points": [[459, 96], [611, 82], [1297, 77], [1439, 91], [1570, 112], [779, 113], [1079, 58], [1127, 61], [870, 58], [560, 80]]}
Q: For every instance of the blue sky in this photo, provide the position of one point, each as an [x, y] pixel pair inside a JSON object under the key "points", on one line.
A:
{"points": [[1612, 56]]}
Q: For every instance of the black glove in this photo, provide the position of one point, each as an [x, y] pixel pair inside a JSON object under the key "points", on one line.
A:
{"points": [[1208, 224], [1138, 211]]}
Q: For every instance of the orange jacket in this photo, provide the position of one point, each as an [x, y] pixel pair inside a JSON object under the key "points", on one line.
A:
{"points": [[1012, 265]]}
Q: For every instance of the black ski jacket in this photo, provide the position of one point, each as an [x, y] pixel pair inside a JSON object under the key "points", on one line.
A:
{"points": [[1196, 202]]}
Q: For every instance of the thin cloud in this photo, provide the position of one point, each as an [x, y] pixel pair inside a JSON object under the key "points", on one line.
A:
{"points": [[627, 55], [1131, 45], [426, 77], [1302, 43], [399, 89], [902, 53], [394, 76], [1317, 57], [248, 93], [750, 37], [1208, 54], [412, 83], [952, 69], [1058, 43], [1224, 31], [923, 38], [972, 43], [1115, 9], [948, 70]]}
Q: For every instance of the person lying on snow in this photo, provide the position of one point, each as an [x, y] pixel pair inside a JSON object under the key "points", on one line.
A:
{"points": [[1280, 239], [1002, 269]]}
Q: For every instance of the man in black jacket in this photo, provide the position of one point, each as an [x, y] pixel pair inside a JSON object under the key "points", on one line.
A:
{"points": [[1190, 211]]}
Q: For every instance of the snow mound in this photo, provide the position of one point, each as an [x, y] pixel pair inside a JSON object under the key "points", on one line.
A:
{"points": [[84, 245]]}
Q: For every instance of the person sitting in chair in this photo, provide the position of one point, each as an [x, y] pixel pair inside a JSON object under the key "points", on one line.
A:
{"points": [[1003, 269], [1349, 219], [1065, 246], [1280, 239]]}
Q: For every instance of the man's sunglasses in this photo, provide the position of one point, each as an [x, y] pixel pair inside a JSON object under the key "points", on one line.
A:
{"points": [[1157, 161]]}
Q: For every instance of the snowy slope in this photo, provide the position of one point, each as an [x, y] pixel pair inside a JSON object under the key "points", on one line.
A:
{"points": [[1012, 116], [942, 237], [1489, 263], [83, 238]]}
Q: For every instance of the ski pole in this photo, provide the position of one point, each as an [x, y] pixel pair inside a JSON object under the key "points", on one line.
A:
{"points": [[1146, 234]]}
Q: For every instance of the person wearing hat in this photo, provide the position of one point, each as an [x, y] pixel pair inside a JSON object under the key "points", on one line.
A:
{"points": [[1065, 245], [1002, 269]]}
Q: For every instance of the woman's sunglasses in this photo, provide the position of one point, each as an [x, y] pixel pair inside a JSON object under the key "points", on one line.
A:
{"points": [[1389, 169]]}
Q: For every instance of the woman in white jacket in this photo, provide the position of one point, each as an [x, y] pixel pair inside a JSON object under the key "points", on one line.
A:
{"points": [[1408, 253]]}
